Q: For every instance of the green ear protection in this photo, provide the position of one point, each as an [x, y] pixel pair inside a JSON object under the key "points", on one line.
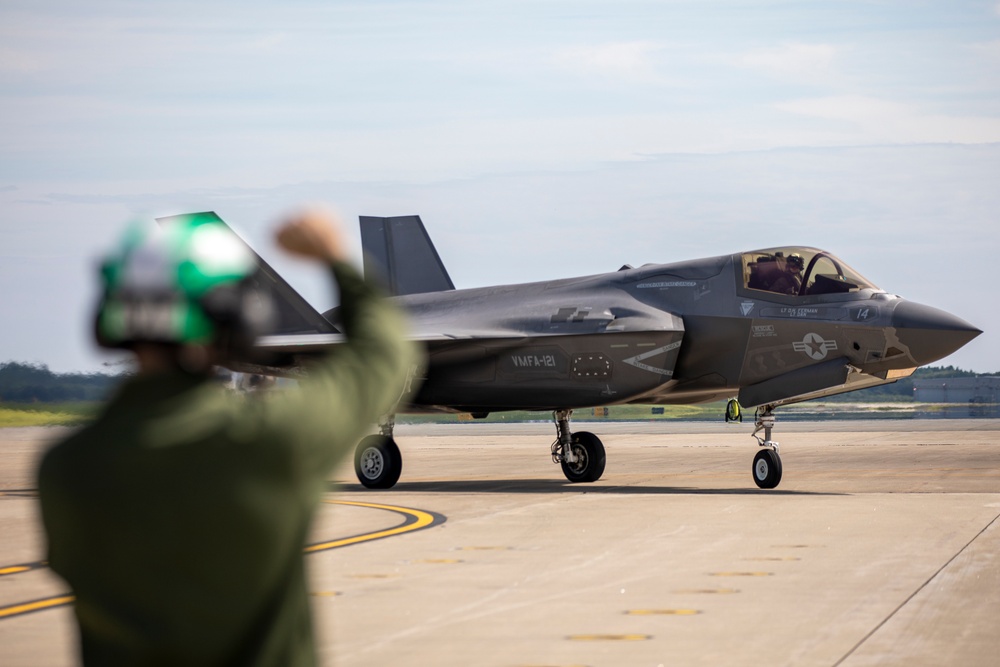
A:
{"points": [[191, 283]]}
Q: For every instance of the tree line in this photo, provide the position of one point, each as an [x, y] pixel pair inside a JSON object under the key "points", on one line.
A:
{"points": [[35, 383], [902, 390]]}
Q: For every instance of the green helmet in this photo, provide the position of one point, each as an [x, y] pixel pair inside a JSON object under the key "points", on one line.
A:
{"points": [[189, 283]]}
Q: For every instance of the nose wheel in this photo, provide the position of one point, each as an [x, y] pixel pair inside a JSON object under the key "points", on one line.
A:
{"points": [[767, 468], [767, 463]]}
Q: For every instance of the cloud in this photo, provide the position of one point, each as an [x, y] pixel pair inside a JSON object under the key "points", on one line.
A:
{"points": [[875, 120], [989, 50], [629, 61], [793, 61], [22, 62]]}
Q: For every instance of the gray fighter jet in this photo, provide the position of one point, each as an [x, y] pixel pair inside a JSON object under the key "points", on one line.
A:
{"points": [[764, 327]]}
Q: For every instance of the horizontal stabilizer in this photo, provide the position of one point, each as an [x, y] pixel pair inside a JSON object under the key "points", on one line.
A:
{"points": [[400, 254], [294, 314]]}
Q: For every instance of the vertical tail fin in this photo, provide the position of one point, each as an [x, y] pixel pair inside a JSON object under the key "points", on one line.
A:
{"points": [[399, 251]]}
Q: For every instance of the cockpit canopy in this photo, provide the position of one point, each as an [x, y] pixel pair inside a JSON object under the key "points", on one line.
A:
{"points": [[800, 272]]}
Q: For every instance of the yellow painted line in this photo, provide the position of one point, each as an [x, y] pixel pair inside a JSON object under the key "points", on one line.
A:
{"points": [[21, 567], [416, 520], [486, 548], [421, 519], [662, 612], [37, 605], [708, 591], [609, 638], [795, 546], [440, 561]]}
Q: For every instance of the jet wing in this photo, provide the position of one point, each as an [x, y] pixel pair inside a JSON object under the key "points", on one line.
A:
{"points": [[500, 366], [317, 343]]}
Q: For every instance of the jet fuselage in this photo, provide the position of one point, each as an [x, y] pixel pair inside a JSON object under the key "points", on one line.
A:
{"points": [[676, 333]]}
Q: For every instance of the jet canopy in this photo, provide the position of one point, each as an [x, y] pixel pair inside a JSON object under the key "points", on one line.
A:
{"points": [[799, 271]]}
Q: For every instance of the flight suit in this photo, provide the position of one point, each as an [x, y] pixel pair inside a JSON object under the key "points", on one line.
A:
{"points": [[179, 516], [787, 283]]}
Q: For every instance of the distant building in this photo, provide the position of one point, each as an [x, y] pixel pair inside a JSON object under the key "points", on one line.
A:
{"points": [[957, 390]]}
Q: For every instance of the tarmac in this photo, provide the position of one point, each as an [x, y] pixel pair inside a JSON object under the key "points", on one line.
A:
{"points": [[881, 546]]}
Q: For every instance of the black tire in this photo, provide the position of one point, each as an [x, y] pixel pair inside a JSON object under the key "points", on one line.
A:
{"points": [[767, 468], [377, 462], [591, 458]]}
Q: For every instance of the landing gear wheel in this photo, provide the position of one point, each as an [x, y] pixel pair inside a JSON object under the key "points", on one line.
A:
{"points": [[767, 468], [377, 462], [590, 458]]}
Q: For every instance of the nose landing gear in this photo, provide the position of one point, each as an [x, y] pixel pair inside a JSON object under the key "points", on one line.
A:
{"points": [[767, 463]]}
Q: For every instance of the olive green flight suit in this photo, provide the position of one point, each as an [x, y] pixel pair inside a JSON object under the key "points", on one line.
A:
{"points": [[179, 516]]}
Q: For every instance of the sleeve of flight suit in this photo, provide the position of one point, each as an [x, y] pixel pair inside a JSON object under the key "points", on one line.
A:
{"points": [[349, 388]]}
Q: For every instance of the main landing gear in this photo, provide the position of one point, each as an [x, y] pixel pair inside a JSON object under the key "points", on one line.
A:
{"points": [[767, 463], [377, 461], [581, 454]]}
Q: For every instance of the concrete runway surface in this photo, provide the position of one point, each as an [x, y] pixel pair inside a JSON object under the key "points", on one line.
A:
{"points": [[881, 546]]}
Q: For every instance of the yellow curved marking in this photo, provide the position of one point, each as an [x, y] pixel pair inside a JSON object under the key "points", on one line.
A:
{"points": [[37, 605], [423, 519], [14, 569]]}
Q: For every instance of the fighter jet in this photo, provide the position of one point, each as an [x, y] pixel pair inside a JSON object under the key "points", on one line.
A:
{"points": [[761, 329]]}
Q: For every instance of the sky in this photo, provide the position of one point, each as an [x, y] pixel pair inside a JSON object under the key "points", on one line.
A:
{"points": [[537, 139]]}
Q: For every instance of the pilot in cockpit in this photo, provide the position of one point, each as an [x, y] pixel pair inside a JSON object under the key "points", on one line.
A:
{"points": [[790, 279]]}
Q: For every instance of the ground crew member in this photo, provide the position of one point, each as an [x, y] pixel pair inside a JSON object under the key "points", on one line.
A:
{"points": [[179, 515]]}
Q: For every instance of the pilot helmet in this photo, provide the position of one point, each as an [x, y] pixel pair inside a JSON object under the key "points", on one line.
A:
{"points": [[795, 259], [188, 283]]}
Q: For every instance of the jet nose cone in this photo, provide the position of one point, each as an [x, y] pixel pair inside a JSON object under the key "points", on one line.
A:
{"points": [[929, 333]]}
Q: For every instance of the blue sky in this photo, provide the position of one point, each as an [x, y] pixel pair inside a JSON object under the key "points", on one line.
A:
{"points": [[537, 139]]}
